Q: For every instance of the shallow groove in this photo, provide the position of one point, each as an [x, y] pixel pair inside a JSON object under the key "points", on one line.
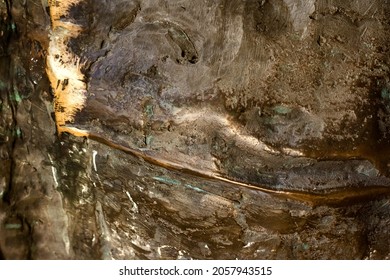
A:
{"points": [[333, 197]]}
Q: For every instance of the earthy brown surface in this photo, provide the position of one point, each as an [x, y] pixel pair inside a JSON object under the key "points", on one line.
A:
{"points": [[210, 130]]}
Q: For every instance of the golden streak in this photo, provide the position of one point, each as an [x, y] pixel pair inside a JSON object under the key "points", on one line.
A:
{"points": [[63, 67]]}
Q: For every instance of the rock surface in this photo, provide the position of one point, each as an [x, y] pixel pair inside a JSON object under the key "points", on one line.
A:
{"points": [[194, 130]]}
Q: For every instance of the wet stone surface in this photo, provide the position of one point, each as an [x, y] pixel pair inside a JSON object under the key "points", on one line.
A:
{"points": [[220, 130]]}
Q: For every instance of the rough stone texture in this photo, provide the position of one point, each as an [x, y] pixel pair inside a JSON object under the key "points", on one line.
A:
{"points": [[34, 224], [214, 130]]}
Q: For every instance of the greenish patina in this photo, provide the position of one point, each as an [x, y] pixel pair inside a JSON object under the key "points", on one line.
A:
{"points": [[13, 226], [281, 110], [385, 93], [167, 180]]}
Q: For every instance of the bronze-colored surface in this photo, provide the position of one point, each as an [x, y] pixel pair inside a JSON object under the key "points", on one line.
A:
{"points": [[194, 129]]}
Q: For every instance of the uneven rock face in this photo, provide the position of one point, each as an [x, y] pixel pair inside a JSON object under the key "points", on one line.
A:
{"points": [[194, 129]]}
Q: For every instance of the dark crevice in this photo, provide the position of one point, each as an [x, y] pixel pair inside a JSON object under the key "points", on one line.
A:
{"points": [[183, 41], [1, 255], [11, 102], [30, 241], [8, 4]]}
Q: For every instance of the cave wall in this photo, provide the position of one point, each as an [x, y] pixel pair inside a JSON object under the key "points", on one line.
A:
{"points": [[194, 129]]}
